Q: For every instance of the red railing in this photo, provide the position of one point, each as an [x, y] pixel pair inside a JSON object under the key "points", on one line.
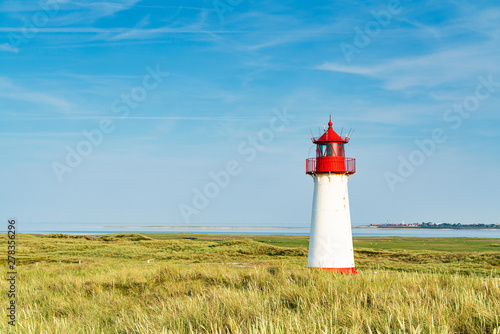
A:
{"points": [[331, 164]]}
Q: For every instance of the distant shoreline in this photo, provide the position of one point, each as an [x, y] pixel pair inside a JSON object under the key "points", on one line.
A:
{"points": [[299, 227], [436, 228]]}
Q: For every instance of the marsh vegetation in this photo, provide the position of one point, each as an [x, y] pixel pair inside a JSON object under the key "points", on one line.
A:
{"points": [[252, 284]]}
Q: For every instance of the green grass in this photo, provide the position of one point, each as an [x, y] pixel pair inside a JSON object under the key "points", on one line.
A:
{"points": [[408, 243], [430, 244], [252, 284]]}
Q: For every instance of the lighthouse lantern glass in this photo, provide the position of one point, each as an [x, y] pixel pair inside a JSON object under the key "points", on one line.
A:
{"points": [[330, 150]]}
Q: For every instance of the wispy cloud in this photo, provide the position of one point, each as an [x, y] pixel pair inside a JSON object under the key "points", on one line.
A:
{"points": [[194, 118], [10, 91], [462, 48], [460, 63], [8, 48], [350, 69], [64, 12]]}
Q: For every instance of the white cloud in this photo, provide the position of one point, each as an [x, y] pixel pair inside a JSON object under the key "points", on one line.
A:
{"points": [[450, 67], [64, 12], [9, 91], [8, 48], [462, 49], [349, 69]]}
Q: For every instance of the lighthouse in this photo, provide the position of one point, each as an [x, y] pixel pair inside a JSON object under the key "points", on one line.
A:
{"points": [[330, 243]]}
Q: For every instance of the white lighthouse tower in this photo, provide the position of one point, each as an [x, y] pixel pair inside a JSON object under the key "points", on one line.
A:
{"points": [[330, 243]]}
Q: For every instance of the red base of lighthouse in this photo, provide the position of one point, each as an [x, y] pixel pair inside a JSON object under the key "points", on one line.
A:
{"points": [[339, 270]]}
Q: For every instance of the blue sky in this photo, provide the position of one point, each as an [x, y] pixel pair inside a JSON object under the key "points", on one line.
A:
{"points": [[393, 71]]}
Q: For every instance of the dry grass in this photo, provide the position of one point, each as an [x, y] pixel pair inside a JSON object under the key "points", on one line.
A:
{"points": [[114, 290]]}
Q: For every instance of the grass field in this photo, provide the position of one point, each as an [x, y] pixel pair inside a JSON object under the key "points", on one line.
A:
{"points": [[251, 284]]}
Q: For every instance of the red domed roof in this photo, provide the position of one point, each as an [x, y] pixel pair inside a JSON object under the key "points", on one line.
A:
{"points": [[330, 136]]}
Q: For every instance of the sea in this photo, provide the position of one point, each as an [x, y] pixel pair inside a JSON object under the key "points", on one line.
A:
{"points": [[357, 231]]}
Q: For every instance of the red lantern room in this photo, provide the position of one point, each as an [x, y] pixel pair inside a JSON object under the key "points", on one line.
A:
{"points": [[330, 154]]}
